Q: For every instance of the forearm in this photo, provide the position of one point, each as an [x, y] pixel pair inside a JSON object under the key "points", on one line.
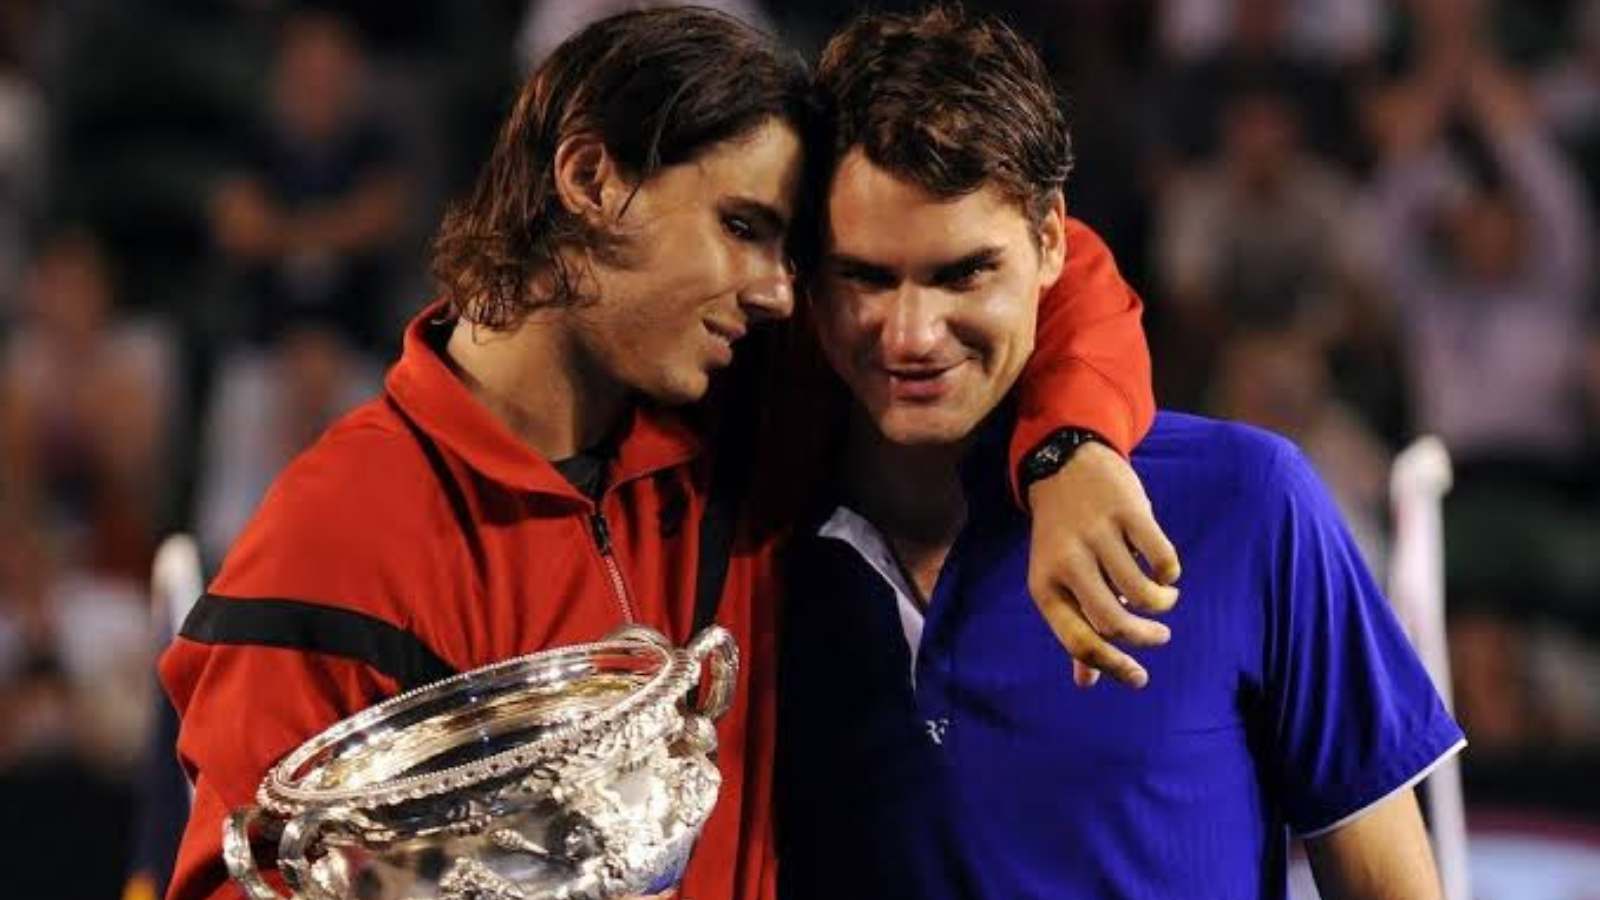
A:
{"points": [[1549, 191], [1091, 370], [1382, 855], [1406, 193], [1091, 365], [366, 219]]}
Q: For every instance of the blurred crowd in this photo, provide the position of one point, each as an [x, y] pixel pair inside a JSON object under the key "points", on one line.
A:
{"points": [[1353, 221]]}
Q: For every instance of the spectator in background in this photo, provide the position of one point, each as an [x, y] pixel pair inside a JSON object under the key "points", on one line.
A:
{"points": [[265, 409], [308, 222], [22, 157], [1335, 32], [1568, 98], [62, 744], [86, 400], [1258, 237], [1567, 95], [1259, 50], [74, 688], [1489, 268], [23, 584], [83, 681], [309, 227]]}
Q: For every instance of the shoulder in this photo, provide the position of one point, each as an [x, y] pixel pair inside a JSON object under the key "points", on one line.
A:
{"points": [[347, 521], [367, 459], [1225, 460]]}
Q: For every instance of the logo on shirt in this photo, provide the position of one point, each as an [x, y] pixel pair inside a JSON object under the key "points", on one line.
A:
{"points": [[936, 729]]}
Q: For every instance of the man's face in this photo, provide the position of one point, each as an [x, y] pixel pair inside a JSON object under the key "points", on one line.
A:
{"points": [[705, 261], [317, 82], [927, 306]]}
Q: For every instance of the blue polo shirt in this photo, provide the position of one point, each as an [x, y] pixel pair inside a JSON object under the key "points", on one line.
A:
{"points": [[962, 762]]}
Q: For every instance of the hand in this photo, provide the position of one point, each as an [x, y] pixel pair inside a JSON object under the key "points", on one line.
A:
{"points": [[1496, 98], [245, 223], [1085, 519]]}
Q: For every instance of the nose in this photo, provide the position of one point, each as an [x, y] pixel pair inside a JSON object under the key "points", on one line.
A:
{"points": [[770, 294], [912, 326]]}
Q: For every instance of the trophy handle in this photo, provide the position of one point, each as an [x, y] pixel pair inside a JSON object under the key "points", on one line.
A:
{"points": [[240, 859], [716, 647], [300, 835]]}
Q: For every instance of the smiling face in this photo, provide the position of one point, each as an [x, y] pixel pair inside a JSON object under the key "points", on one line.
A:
{"points": [[927, 306], [705, 262]]}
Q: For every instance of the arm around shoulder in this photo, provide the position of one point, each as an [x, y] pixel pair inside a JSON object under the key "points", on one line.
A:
{"points": [[1091, 371]]}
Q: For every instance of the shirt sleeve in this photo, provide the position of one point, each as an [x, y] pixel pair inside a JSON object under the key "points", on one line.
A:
{"points": [[1353, 714], [1090, 366], [303, 625], [243, 708]]}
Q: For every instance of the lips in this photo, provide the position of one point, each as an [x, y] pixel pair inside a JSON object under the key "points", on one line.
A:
{"points": [[728, 331], [921, 384], [723, 336]]}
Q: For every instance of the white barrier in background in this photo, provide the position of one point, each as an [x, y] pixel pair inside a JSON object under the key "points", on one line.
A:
{"points": [[1417, 484], [176, 582]]}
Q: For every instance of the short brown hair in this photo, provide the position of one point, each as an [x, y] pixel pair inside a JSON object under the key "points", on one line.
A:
{"points": [[949, 100], [659, 87]]}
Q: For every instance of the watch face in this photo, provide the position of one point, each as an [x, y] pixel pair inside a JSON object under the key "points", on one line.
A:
{"points": [[1050, 457]]}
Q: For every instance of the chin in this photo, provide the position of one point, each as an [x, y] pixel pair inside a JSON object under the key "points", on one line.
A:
{"points": [[923, 430], [679, 388]]}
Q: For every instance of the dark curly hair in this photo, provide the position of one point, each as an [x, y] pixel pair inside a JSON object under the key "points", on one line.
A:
{"points": [[659, 87]]}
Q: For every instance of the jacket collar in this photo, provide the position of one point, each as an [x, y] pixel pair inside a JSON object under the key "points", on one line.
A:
{"points": [[429, 393]]}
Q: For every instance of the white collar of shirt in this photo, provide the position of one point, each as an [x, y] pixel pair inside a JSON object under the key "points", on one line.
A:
{"points": [[864, 537]]}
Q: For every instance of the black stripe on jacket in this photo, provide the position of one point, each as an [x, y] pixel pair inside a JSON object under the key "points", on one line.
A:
{"points": [[313, 628]]}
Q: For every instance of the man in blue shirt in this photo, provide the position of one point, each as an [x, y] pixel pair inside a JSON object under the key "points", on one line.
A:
{"points": [[931, 743]]}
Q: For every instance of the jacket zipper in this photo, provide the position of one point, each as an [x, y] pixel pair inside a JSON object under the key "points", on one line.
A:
{"points": [[602, 542]]}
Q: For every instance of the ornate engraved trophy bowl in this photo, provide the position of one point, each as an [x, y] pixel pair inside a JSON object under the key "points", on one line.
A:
{"points": [[579, 772]]}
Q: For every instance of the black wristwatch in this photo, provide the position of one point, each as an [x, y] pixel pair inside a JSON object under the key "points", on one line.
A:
{"points": [[1050, 454]]}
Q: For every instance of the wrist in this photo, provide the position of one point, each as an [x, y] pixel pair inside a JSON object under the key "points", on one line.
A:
{"points": [[1052, 454]]}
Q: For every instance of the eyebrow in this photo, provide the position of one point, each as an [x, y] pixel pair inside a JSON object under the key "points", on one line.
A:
{"points": [[854, 263], [950, 270], [942, 271], [767, 215]]}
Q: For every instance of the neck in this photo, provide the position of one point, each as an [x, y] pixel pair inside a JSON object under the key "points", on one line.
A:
{"points": [[539, 383], [912, 494]]}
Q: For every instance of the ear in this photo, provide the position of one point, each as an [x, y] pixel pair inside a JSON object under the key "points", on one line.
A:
{"points": [[587, 179], [1053, 241]]}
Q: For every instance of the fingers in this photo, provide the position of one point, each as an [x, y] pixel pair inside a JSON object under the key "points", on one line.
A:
{"points": [[1087, 616], [1089, 649], [1130, 580], [1151, 542], [1106, 614]]}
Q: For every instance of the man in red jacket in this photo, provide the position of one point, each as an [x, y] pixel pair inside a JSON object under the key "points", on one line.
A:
{"points": [[529, 477]]}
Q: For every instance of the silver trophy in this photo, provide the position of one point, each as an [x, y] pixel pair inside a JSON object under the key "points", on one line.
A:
{"points": [[579, 772]]}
